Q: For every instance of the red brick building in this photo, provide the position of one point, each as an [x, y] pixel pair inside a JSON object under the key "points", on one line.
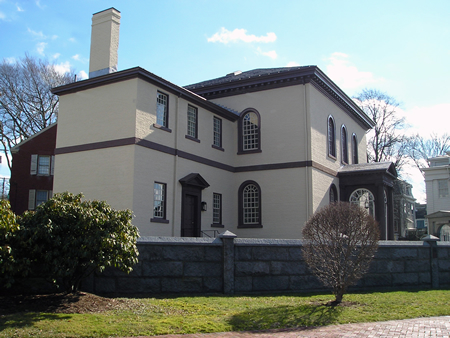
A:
{"points": [[32, 170]]}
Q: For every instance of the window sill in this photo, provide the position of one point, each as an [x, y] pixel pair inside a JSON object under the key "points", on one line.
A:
{"points": [[159, 220], [332, 157], [192, 138], [216, 147], [158, 126], [243, 226], [254, 151], [216, 225]]}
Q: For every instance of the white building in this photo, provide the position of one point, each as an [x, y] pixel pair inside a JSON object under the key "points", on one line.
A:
{"points": [[437, 178]]}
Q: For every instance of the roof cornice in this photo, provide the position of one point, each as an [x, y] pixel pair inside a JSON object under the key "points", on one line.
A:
{"points": [[284, 78], [138, 72]]}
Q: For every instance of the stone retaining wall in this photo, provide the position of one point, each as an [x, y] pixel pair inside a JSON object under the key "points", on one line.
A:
{"points": [[229, 264]]}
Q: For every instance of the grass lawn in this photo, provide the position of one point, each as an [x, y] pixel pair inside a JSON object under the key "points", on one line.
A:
{"points": [[154, 316]]}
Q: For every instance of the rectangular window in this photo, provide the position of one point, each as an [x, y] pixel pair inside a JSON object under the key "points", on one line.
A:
{"points": [[443, 188], [159, 200], [162, 105], [217, 136], [42, 165], [217, 209], [37, 197], [192, 122]]}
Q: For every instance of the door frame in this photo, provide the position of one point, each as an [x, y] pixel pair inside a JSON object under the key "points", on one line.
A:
{"points": [[192, 184]]}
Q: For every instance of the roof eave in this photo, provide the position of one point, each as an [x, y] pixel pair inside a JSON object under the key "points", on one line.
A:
{"points": [[138, 72]]}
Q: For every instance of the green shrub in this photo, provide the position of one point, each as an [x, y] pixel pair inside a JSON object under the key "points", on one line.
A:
{"points": [[68, 239], [8, 229]]}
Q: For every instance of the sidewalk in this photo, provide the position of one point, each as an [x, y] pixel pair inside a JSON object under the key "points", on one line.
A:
{"points": [[437, 327]]}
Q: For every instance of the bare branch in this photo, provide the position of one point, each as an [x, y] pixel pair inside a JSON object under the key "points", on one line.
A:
{"points": [[26, 102]]}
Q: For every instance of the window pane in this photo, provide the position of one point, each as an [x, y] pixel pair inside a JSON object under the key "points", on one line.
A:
{"points": [[250, 131], [192, 122], [443, 188], [161, 109], [41, 196], [217, 208], [44, 165], [159, 195], [217, 132], [251, 204]]}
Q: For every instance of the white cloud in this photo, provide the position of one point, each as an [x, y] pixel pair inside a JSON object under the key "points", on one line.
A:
{"points": [[54, 37], [38, 3], [225, 36], [292, 64], [345, 74], [72, 39], [19, 9], [56, 55], [41, 47], [2, 16], [38, 35], [82, 75], [272, 54], [428, 120], [76, 57], [63, 67]]}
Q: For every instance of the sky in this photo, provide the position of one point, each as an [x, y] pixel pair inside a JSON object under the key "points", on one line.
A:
{"points": [[401, 47]]}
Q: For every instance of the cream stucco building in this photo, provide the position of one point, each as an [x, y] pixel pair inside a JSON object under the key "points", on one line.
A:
{"points": [[255, 152]]}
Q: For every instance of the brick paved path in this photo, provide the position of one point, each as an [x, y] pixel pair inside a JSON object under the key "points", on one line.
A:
{"points": [[437, 327]]}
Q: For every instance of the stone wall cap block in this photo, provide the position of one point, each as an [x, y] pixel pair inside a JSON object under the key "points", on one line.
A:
{"points": [[227, 234], [267, 241], [178, 240], [401, 244]]}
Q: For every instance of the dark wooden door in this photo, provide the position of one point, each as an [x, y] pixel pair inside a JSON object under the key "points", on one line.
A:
{"points": [[190, 224]]}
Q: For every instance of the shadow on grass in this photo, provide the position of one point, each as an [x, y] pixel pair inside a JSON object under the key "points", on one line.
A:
{"points": [[285, 317], [22, 320]]}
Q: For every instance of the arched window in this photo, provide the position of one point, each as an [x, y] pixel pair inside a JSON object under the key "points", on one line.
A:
{"points": [[364, 198], [249, 132], [333, 194], [249, 205], [331, 137], [344, 145], [355, 149]]}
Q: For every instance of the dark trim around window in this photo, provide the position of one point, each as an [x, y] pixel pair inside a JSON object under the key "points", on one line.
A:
{"points": [[195, 131], [159, 216], [165, 123], [355, 148], [241, 211], [344, 145], [331, 137], [241, 134], [219, 223], [333, 194]]}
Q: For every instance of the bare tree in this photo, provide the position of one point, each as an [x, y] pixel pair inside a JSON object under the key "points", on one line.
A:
{"points": [[420, 150], [385, 142], [339, 243], [26, 102]]}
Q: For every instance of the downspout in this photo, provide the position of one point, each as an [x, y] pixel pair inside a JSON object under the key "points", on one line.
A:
{"points": [[175, 171], [308, 178]]}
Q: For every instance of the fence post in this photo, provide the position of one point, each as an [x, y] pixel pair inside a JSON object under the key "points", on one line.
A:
{"points": [[434, 260], [228, 261]]}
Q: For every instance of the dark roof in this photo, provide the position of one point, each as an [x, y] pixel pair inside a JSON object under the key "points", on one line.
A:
{"points": [[239, 76], [268, 78], [368, 168], [138, 72]]}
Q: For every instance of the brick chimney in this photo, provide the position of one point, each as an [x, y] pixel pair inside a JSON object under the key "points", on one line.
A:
{"points": [[104, 42]]}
